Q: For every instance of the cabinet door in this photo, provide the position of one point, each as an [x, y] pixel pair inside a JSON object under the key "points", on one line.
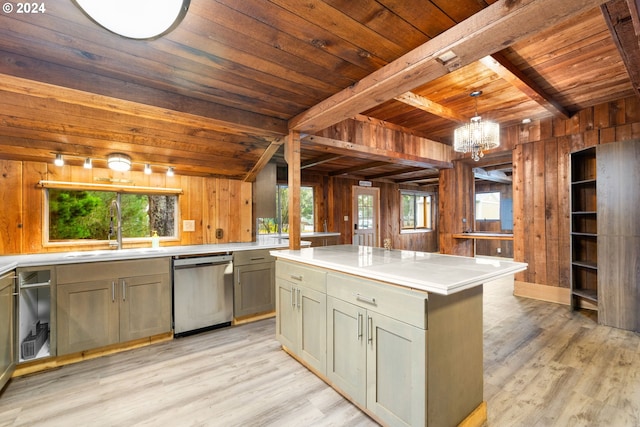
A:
{"points": [[7, 349], [396, 374], [287, 328], [254, 289], [87, 315], [313, 328], [346, 349], [145, 306]]}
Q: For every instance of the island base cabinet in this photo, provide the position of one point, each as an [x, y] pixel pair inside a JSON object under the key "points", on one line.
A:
{"points": [[301, 324], [378, 362]]}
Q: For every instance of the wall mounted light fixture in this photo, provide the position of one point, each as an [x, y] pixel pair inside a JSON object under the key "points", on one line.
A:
{"points": [[59, 161], [87, 163], [170, 172], [147, 169]]}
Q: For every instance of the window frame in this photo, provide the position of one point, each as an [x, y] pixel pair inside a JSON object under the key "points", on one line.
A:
{"points": [[499, 206], [429, 216], [46, 185]]}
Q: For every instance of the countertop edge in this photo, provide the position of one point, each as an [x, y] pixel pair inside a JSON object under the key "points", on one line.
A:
{"points": [[420, 285]]}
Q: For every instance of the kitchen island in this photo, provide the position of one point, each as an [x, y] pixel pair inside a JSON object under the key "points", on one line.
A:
{"points": [[399, 333]]}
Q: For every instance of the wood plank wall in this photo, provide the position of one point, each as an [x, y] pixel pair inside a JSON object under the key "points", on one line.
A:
{"points": [[333, 203], [541, 182], [211, 202]]}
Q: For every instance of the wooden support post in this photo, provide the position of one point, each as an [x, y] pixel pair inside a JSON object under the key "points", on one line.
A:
{"points": [[292, 155]]}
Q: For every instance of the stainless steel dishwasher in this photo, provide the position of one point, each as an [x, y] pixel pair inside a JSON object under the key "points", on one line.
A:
{"points": [[202, 293]]}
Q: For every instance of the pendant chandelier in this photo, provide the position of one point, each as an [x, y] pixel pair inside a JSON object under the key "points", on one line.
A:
{"points": [[476, 136]]}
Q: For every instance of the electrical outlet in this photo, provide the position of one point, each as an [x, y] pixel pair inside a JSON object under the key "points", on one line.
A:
{"points": [[219, 233], [499, 250], [189, 225]]}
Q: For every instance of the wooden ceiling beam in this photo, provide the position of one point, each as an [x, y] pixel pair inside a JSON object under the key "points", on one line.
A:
{"points": [[394, 173], [329, 145], [358, 168], [619, 19], [492, 29], [425, 104], [423, 180], [320, 160], [635, 15], [264, 159], [500, 65]]}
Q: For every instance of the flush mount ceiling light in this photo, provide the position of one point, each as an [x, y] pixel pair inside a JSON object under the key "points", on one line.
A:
{"points": [[476, 136], [136, 19], [119, 162]]}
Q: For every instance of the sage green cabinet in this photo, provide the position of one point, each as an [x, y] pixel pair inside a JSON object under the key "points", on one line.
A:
{"points": [[254, 289], [104, 303], [302, 306], [374, 358], [7, 327], [406, 357]]}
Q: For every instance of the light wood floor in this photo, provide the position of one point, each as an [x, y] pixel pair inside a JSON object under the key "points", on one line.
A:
{"points": [[544, 366]]}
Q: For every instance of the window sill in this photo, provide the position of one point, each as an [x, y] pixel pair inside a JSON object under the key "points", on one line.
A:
{"points": [[417, 231]]}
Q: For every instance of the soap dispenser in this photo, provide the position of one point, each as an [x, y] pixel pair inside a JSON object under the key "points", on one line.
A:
{"points": [[155, 240]]}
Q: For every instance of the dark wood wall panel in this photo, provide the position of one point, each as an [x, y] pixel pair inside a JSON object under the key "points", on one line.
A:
{"points": [[541, 183]]}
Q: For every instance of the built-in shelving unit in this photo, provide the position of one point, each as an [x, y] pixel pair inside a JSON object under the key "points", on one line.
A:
{"points": [[584, 230]]}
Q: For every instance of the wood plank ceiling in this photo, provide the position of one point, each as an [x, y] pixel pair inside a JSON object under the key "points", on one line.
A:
{"points": [[215, 96]]}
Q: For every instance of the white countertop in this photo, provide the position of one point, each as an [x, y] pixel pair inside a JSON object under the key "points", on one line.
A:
{"points": [[9, 262], [430, 272]]}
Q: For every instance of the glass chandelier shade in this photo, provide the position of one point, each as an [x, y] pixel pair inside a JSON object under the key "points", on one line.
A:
{"points": [[476, 136]]}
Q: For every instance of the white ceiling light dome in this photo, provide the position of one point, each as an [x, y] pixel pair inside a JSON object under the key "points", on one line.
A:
{"points": [[136, 19], [119, 162]]}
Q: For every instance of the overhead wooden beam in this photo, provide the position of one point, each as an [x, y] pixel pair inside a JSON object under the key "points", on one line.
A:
{"points": [[358, 168], [619, 20], [423, 180], [634, 9], [395, 173], [425, 104], [500, 65], [320, 160], [264, 159], [320, 143], [492, 29]]}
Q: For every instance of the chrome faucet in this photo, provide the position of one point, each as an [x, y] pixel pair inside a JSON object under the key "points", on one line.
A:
{"points": [[114, 208]]}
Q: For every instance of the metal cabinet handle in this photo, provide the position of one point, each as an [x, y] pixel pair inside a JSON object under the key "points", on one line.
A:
{"points": [[368, 300], [369, 329], [293, 296], [257, 259], [299, 297], [124, 290], [296, 277], [113, 291], [359, 326]]}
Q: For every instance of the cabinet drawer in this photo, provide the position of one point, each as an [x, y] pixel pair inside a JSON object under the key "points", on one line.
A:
{"points": [[297, 273], [402, 304], [257, 256]]}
